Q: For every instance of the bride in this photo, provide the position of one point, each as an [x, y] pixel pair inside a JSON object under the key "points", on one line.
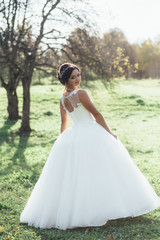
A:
{"points": [[89, 176]]}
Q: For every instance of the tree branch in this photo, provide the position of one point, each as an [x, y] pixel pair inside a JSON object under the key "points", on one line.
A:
{"points": [[3, 82], [44, 70], [45, 16], [51, 31]]}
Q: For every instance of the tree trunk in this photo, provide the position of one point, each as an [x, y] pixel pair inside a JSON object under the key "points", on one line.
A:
{"points": [[12, 107], [126, 74], [25, 125]]}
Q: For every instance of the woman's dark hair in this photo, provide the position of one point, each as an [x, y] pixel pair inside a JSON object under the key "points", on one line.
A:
{"points": [[65, 72]]}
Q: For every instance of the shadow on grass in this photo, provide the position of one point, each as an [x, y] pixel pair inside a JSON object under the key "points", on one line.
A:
{"points": [[19, 154], [4, 130], [9, 137]]}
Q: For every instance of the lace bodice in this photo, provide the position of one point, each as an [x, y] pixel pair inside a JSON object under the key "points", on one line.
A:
{"points": [[75, 109]]}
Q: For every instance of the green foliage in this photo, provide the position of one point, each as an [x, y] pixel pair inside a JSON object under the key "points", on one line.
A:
{"points": [[23, 157], [140, 102], [48, 113]]}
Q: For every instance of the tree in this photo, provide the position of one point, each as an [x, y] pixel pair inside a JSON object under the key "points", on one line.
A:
{"points": [[117, 48], [81, 49], [10, 71], [25, 42]]}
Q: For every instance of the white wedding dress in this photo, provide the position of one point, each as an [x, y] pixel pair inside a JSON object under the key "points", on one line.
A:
{"points": [[88, 178]]}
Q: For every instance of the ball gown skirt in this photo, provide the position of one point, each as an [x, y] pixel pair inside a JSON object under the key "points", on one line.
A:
{"points": [[88, 179]]}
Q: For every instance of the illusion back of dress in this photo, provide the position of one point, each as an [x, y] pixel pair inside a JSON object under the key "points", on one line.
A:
{"points": [[75, 109]]}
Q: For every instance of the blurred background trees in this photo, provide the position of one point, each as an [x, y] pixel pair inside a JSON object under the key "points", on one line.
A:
{"points": [[111, 55], [148, 58]]}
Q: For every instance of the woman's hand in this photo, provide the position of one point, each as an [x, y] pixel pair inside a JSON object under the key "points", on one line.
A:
{"points": [[113, 135]]}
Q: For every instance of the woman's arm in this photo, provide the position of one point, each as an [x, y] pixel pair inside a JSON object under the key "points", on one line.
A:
{"points": [[64, 118], [87, 103]]}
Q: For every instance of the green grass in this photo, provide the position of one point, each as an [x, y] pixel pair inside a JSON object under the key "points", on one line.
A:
{"points": [[131, 110]]}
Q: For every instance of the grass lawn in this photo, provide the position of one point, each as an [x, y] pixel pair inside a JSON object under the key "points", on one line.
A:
{"points": [[131, 110]]}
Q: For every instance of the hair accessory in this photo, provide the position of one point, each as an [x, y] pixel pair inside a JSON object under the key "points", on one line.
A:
{"points": [[61, 73]]}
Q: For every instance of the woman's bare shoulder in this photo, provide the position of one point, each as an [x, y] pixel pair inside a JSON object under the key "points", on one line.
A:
{"points": [[82, 92], [83, 96]]}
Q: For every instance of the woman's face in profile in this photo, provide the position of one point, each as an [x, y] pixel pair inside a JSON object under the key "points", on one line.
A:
{"points": [[75, 79]]}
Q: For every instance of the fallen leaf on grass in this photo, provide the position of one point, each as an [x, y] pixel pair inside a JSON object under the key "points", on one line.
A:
{"points": [[17, 227], [87, 230], [111, 236]]}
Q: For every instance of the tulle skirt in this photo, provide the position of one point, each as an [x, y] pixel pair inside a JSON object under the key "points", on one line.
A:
{"points": [[88, 179]]}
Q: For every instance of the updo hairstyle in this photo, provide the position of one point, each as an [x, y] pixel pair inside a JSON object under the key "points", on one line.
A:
{"points": [[65, 72]]}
